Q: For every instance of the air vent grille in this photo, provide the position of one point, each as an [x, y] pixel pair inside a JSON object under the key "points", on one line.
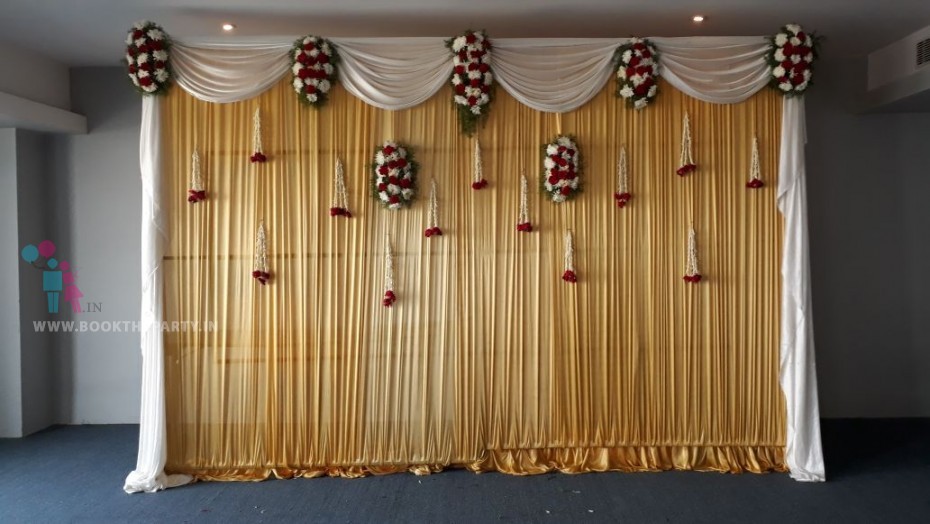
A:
{"points": [[923, 52]]}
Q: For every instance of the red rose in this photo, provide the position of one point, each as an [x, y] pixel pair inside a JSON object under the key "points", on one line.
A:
{"points": [[472, 100], [392, 180], [401, 162], [470, 38], [333, 211], [641, 90], [132, 69], [428, 233], [388, 150], [405, 183], [460, 89], [630, 71], [256, 273], [323, 59], [639, 46], [477, 54], [459, 70], [801, 36], [383, 170], [394, 199], [303, 73], [571, 152], [302, 58], [309, 89], [787, 65], [437, 231], [647, 54], [484, 68], [463, 55], [382, 187], [635, 61], [788, 49], [475, 82], [386, 302], [485, 88], [156, 45], [159, 64], [553, 179], [472, 66], [146, 81], [797, 79], [309, 46], [389, 294], [565, 190]]}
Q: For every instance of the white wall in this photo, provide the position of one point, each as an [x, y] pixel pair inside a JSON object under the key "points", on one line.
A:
{"points": [[34, 77], [98, 191], [10, 378]]}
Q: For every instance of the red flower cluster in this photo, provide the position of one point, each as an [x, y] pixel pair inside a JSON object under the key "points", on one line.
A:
{"points": [[258, 157], [686, 169], [313, 67], [471, 77], [525, 227], [560, 168], [431, 231], [394, 175], [569, 276], [262, 276], [194, 196], [481, 184], [339, 212], [622, 199], [791, 57], [147, 57], [637, 72], [388, 299], [693, 279], [755, 183]]}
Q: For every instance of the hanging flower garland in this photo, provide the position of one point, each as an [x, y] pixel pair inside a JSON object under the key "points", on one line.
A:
{"points": [[622, 196], [791, 56], [562, 169], [395, 175], [147, 47], [523, 221], [472, 81], [340, 207], [260, 270], [692, 274], [755, 171], [478, 170], [432, 213], [637, 72], [314, 63], [389, 297], [569, 274], [196, 193], [686, 162], [257, 154]]}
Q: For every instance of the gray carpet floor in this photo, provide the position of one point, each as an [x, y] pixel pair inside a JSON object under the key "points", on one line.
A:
{"points": [[879, 471]]}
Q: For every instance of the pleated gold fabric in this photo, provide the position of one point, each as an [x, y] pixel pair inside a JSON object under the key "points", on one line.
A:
{"points": [[488, 360]]}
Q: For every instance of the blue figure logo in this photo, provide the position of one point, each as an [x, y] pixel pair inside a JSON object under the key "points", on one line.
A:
{"points": [[55, 276]]}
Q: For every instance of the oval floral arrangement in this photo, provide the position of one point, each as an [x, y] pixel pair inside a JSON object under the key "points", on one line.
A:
{"points": [[147, 47], [313, 65], [561, 168], [395, 175], [637, 72], [471, 78], [791, 57]]}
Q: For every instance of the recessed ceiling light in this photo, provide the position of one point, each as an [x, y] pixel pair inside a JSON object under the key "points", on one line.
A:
{"points": [[228, 27], [697, 19]]}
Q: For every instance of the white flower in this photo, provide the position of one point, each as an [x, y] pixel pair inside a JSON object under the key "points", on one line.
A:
{"points": [[781, 39], [621, 73], [795, 41], [142, 73], [551, 149], [139, 41], [474, 74], [488, 79], [795, 59], [140, 24], [486, 58], [637, 80], [379, 157], [475, 109], [652, 91], [458, 43], [565, 141], [627, 55], [311, 97], [296, 69], [484, 99], [641, 103], [456, 61], [807, 74], [574, 183], [785, 86], [328, 68], [558, 197], [326, 49], [802, 86], [794, 28], [307, 40], [134, 79], [324, 86], [548, 186], [310, 81], [150, 87], [407, 193], [809, 58], [395, 206], [130, 59], [161, 75], [383, 196], [626, 92], [456, 80], [298, 85], [778, 72], [314, 52], [393, 189], [160, 54], [155, 34], [297, 53], [548, 163], [128, 38], [779, 55], [461, 100]]}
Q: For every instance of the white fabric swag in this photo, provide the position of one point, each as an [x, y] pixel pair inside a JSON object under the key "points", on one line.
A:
{"points": [[552, 75]]}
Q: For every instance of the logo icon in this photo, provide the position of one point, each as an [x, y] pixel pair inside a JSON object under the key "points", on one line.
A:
{"points": [[57, 277]]}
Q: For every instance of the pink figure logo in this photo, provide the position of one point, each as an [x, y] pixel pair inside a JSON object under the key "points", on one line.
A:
{"points": [[57, 277]]}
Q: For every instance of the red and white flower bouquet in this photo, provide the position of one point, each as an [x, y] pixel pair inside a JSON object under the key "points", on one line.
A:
{"points": [[147, 47], [637, 72], [561, 169], [791, 57], [314, 68], [394, 175], [472, 79]]}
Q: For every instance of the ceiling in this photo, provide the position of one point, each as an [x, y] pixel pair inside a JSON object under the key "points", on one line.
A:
{"points": [[91, 32]]}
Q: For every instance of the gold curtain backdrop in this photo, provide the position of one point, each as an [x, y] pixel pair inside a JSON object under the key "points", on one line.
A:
{"points": [[488, 360]]}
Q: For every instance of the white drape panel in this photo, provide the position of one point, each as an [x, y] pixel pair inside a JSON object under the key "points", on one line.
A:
{"points": [[394, 73], [553, 75], [798, 372], [225, 73], [149, 475], [720, 70]]}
